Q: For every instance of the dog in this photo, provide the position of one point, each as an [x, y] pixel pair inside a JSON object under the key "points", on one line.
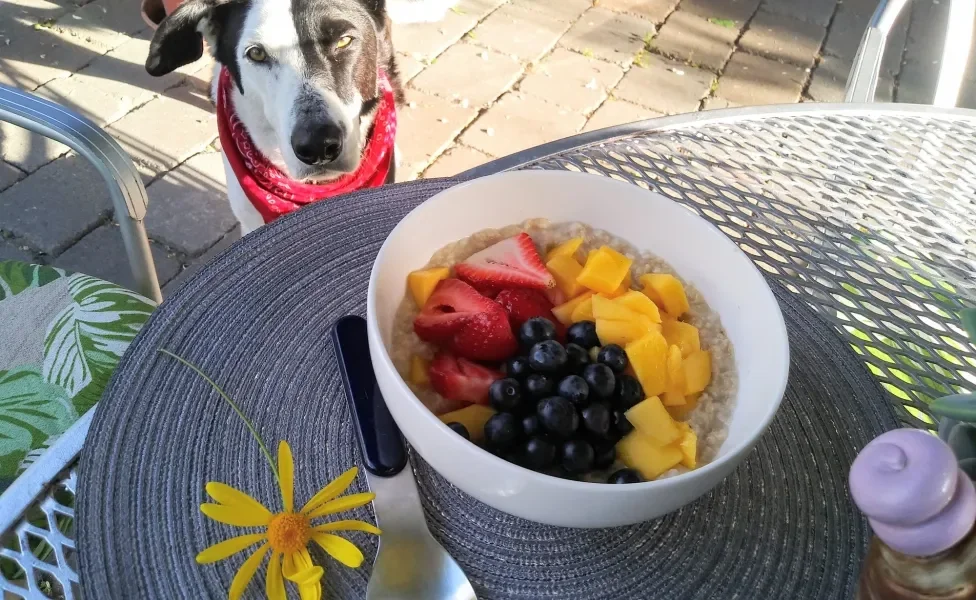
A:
{"points": [[305, 90]]}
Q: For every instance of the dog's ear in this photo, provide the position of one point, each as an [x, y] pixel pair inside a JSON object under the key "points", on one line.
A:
{"points": [[179, 41]]}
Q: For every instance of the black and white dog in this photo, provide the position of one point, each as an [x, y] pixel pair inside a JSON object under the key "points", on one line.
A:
{"points": [[305, 93]]}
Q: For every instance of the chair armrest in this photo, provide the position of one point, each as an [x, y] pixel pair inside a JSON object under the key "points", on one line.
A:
{"points": [[863, 79]]}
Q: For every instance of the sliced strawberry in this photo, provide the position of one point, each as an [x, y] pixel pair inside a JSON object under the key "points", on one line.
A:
{"points": [[513, 262], [460, 380], [458, 318], [522, 304], [556, 296]]}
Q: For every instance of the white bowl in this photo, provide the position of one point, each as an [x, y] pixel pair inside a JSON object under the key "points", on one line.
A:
{"points": [[699, 252]]}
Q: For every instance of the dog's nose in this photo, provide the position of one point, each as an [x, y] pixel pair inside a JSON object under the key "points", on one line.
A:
{"points": [[318, 143]]}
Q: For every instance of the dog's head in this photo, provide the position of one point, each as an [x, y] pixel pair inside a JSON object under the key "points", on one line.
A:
{"points": [[305, 72]]}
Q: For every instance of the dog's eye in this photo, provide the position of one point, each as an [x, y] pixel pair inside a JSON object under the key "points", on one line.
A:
{"points": [[343, 42], [256, 54]]}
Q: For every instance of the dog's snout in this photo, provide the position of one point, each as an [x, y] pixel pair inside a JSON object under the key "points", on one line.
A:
{"points": [[317, 144]]}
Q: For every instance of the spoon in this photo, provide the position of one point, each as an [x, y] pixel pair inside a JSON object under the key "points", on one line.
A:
{"points": [[410, 564]]}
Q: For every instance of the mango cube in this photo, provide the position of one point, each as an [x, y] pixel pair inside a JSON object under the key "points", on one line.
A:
{"points": [[584, 310], [605, 270], [683, 411], [651, 461], [619, 332], [605, 308], [669, 290], [623, 288], [565, 269], [697, 368], [688, 445], [649, 357], [651, 419], [564, 312], [676, 372], [682, 335], [473, 417], [567, 248], [673, 398], [423, 282], [640, 303], [418, 371]]}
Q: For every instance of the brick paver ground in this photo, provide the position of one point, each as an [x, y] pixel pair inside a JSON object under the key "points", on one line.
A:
{"points": [[494, 77]]}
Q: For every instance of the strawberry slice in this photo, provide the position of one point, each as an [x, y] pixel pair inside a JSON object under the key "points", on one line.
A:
{"points": [[513, 262], [460, 380], [458, 318], [523, 304]]}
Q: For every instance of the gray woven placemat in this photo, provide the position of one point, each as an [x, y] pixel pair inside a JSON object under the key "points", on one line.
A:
{"points": [[257, 319]]}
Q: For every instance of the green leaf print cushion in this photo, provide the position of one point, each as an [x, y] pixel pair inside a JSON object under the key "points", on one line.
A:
{"points": [[61, 336]]}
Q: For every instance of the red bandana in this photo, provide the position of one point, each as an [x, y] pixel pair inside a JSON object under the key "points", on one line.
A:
{"points": [[270, 191]]}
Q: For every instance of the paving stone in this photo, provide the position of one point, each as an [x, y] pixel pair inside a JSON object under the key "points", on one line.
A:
{"points": [[829, 82], [714, 103], [608, 35], [201, 261], [10, 250], [408, 67], [456, 160], [102, 25], [188, 208], [427, 125], [523, 33], [751, 80], [25, 150], [814, 11], [468, 72], [571, 80], [617, 112], [653, 10], [520, 121], [783, 38], [127, 63], [9, 175], [101, 254], [665, 86], [32, 11], [479, 8], [424, 41], [737, 11], [32, 56], [691, 38], [561, 10], [101, 100], [845, 32], [923, 52], [166, 131], [55, 206]]}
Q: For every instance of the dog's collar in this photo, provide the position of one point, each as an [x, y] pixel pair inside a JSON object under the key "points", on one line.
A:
{"points": [[271, 191]]}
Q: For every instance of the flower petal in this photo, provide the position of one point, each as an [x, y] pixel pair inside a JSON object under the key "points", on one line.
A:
{"points": [[333, 489], [236, 515], [229, 496], [312, 591], [340, 549], [246, 573], [349, 525], [275, 584], [342, 503], [286, 475], [222, 550]]}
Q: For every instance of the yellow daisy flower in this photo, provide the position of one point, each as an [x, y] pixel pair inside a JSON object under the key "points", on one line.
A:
{"points": [[286, 534]]}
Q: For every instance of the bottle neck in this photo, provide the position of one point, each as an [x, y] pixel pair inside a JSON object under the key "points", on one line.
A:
{"points": [[949, 575]]}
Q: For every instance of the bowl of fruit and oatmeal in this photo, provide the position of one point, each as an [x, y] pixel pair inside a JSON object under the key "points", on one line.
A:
{"points": [[571, 349]]}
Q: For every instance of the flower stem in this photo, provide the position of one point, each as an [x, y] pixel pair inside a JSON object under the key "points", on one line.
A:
{"points": [[247, 422]]}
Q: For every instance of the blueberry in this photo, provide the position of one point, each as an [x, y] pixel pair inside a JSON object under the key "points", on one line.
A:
{"points": [[614, 357], [574, 389], [620, 423], [962, 440], [625, 476], [628, 393], [577, 358], [558, 416], [601, 380], [539, 453], [531, 425], [505, 394], [460, 429], [501, 431], [604, 453], [596, 419], [548, 356], [583, 333], [539, 386], [518, 367], [536, 330], [577, 456]]}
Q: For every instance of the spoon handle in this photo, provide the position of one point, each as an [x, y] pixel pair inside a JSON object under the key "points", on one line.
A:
{"points": [[384, 452]]}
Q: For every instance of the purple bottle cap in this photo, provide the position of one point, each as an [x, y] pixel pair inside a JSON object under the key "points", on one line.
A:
{"points": [[909, 485]]}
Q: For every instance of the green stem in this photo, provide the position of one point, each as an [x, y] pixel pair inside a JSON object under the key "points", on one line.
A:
{"points": [[264, 449]]}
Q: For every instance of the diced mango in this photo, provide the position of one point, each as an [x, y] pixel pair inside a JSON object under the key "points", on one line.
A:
{"points": [[584, 310], [564, 312], [649, 356], [669, 290], [648, 325], [423, 282], [565, 269], [605, 308], [688, 445], [682, 412], [567, 248], [619, 332], [651, 461], [640, 303], [473, 417], [676, 373], [418, 371], [698, 371], [605, 270], [682, 335], [672, 398], [652, 420], [623, 289], [655, 298]]}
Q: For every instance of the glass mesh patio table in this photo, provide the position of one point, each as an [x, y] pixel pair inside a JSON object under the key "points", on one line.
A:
{"points": [[866, 212]]}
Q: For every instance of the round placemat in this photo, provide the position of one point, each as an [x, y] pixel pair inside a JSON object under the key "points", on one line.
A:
{"points": [[257, 320]]}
